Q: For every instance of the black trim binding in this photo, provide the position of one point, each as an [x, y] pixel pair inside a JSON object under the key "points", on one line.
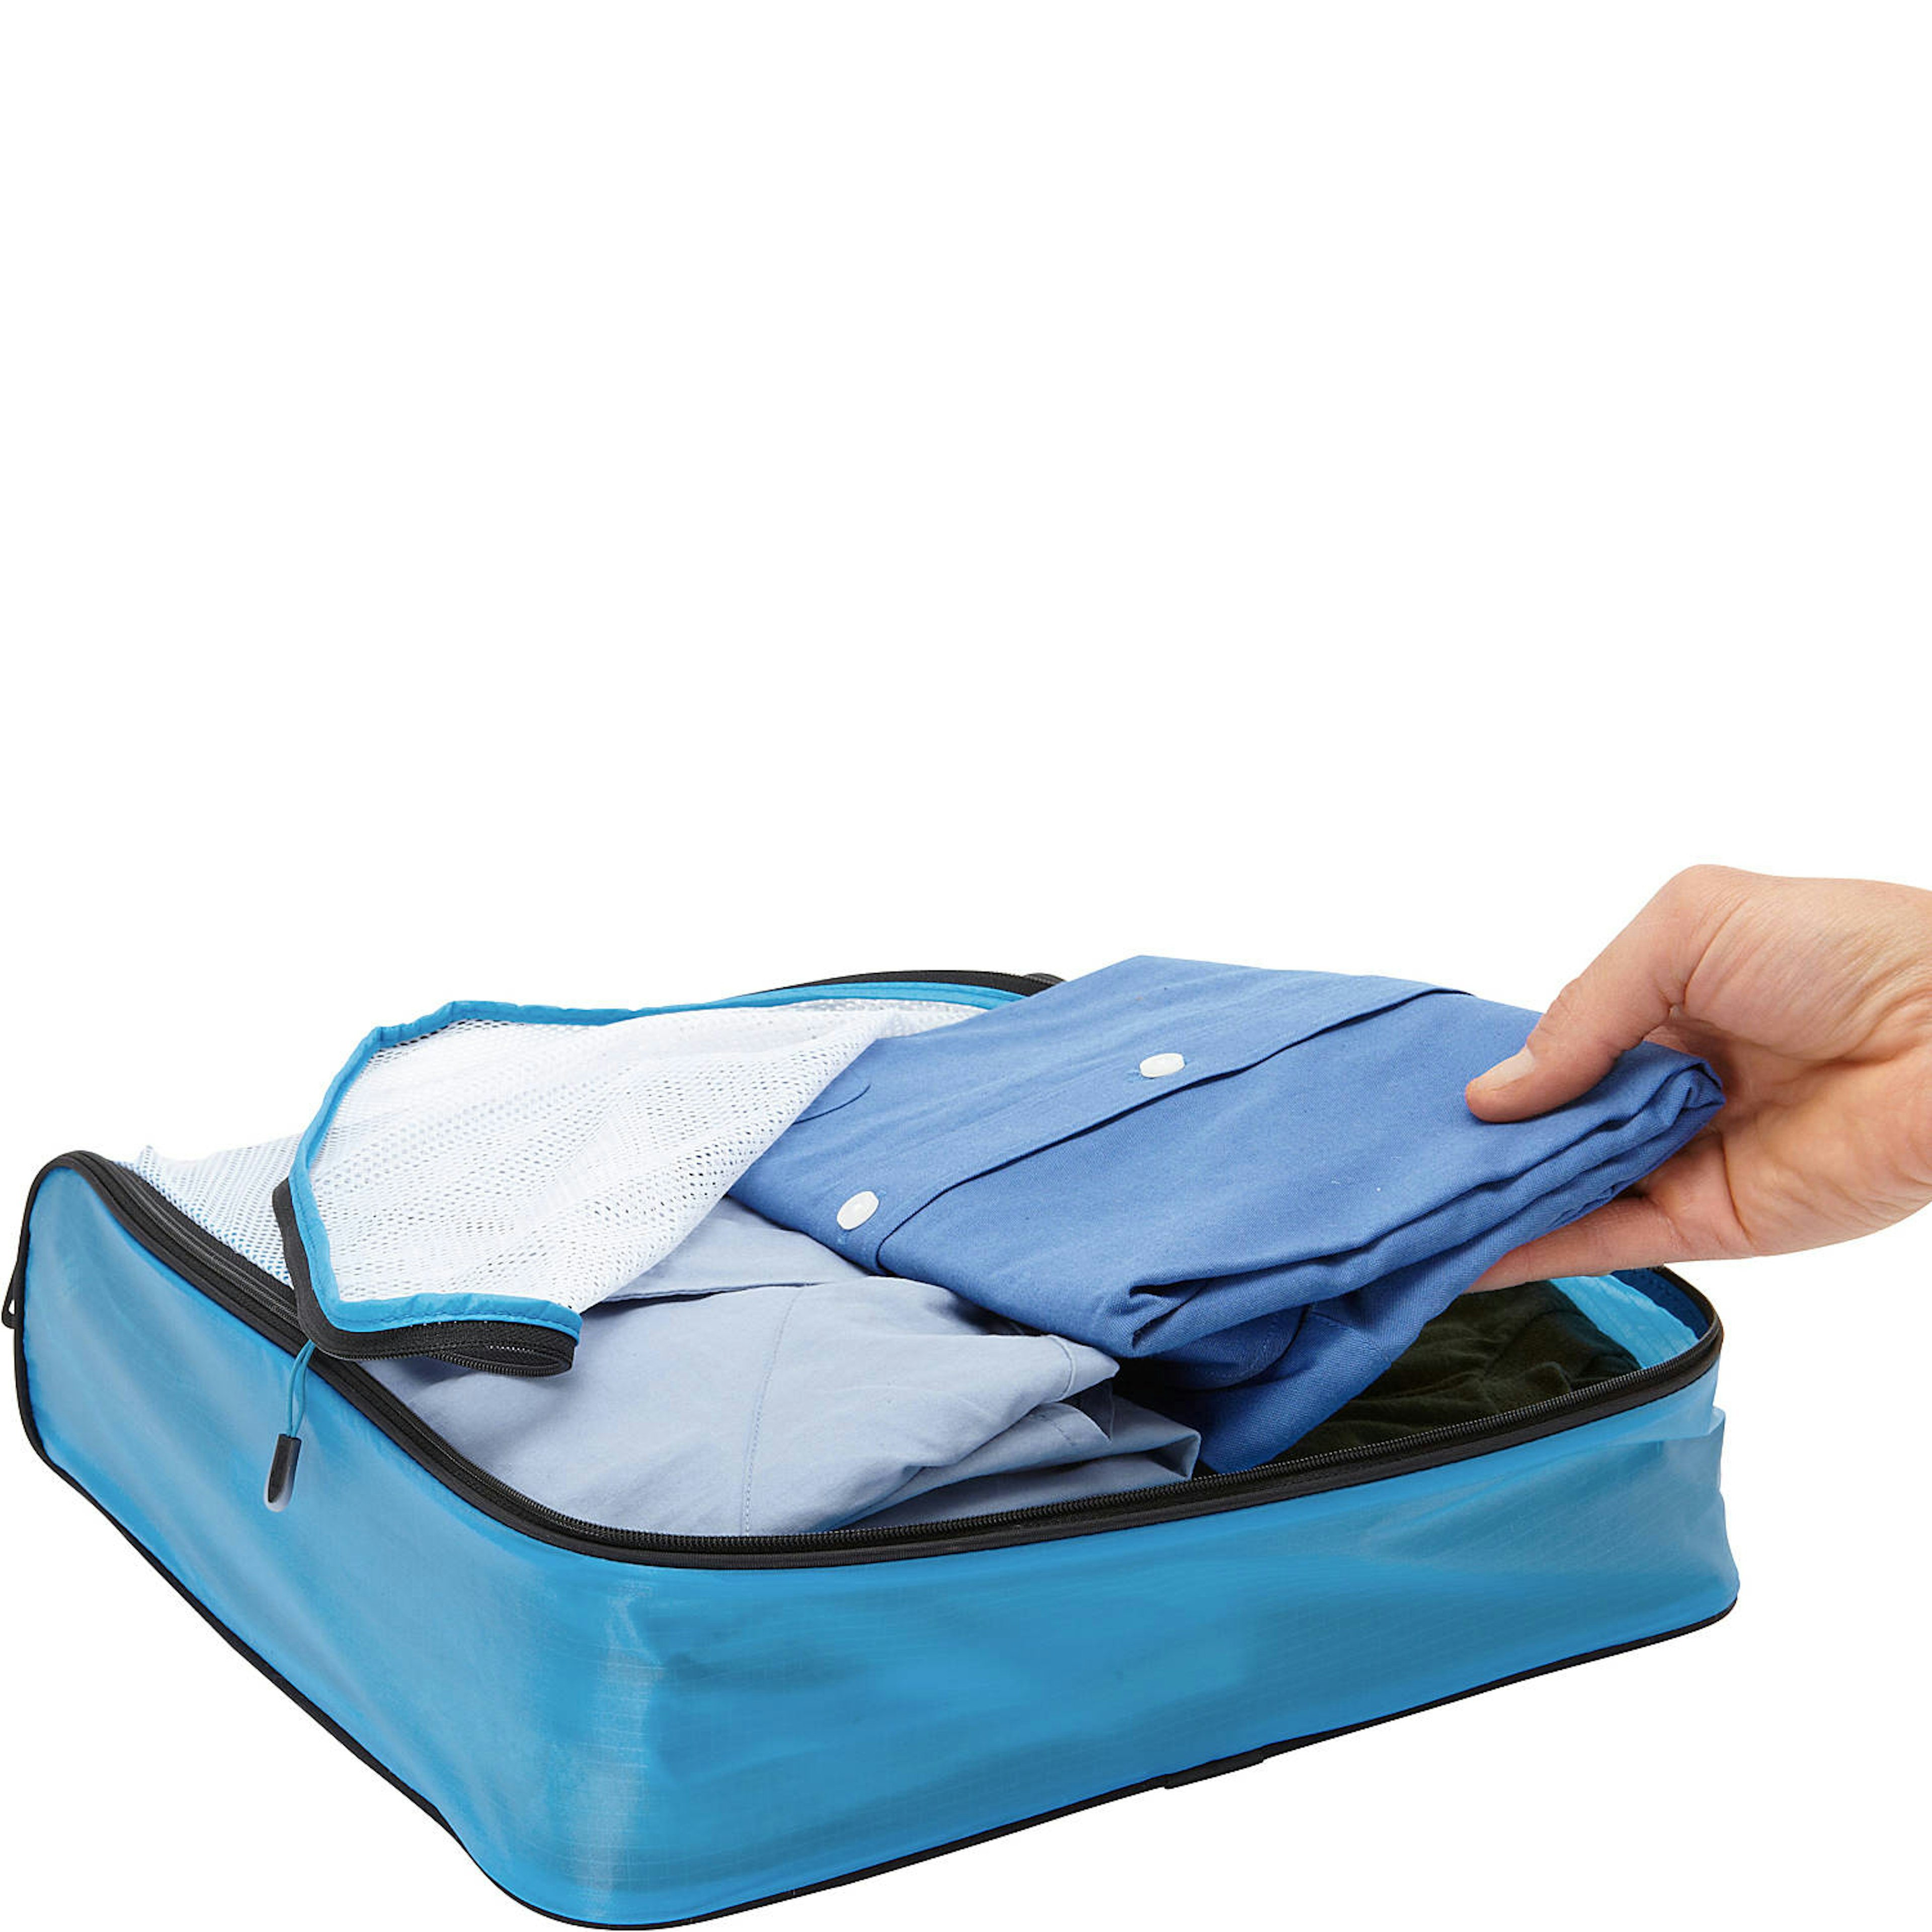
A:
{"points": [[1172, 1781], [267, 1305], [503, 1348], [1023, 983]]}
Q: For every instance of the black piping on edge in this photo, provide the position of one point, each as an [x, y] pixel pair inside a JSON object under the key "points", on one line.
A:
{"points": [[261, 1302], [1172, 1780], [1023, 983], [503, 1348]]}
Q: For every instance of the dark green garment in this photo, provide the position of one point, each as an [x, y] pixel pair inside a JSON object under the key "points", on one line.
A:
{"points": [[1484, 1355]]}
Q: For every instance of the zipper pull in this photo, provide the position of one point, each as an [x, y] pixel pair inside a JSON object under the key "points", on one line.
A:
{"points": [[281, 1483]]}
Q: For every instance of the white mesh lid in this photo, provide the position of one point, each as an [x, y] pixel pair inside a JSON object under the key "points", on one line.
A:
{"points": [[516, 1165]]}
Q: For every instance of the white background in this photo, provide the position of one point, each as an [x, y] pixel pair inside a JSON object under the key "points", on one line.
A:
{"points": [[617, 504]]}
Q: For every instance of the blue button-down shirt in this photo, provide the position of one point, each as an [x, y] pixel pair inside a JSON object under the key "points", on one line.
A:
{"points": [[1260, 1183]]}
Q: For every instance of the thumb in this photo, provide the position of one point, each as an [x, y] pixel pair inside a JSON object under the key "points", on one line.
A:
{"points": [[1629, 1232], [1626, 992]]}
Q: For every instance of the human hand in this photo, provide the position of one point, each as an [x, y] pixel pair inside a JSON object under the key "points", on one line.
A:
{"points": [[1812, 1000]]}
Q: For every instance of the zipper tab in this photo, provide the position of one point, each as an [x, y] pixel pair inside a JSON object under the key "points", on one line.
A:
{"points": [[281, 1488]]}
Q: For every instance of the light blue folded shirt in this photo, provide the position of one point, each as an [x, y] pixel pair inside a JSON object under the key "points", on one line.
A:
{"points": [[753, 1384], [1259, 1185]]}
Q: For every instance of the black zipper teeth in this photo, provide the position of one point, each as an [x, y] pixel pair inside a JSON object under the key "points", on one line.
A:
{"points": [[267, 1305], [1023, 983]]}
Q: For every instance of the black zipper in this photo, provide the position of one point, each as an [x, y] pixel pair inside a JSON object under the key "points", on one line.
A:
{"points": [[1024, 983], [267, 1305]]}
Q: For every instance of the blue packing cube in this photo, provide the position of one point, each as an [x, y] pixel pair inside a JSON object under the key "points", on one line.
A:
{"points": [[629, 1727]]}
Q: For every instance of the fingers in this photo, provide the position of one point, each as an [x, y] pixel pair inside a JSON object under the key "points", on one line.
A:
{"points": [[1627, 992], [1630, 1232], [1683, 1212]]}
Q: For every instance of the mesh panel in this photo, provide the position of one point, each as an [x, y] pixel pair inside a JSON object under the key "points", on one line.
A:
{"points": [[559, 1161], [228, 1194]]}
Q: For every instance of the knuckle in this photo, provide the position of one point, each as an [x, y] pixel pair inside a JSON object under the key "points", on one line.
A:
{"points": [[1565, 1017], [1698, 886]]}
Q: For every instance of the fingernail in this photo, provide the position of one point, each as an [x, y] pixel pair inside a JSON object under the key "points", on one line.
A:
{"points": [[1508, 1072]]}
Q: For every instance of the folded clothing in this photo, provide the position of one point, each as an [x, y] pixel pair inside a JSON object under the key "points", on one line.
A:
{"points": [[1484, 1355], [1264, 1183], [753, 1384]]}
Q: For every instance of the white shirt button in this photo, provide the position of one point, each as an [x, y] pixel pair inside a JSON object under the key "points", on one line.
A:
{"points": [[860, 1209], [1156, 1064]]}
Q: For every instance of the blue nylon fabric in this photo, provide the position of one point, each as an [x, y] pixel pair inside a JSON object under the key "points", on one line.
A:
{"points": [[1629, 1316], [624, 1744], [412, 1311], [1269, 1226]]}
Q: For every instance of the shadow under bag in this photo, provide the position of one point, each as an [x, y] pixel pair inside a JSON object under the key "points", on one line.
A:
{"points": [[626, 1725]]}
